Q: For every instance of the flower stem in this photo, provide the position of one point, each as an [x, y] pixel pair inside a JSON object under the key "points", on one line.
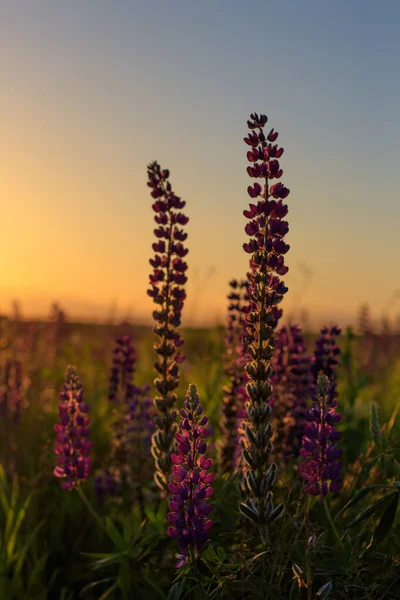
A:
{"points": [[86, 501], [332, 524], [308, 558]]}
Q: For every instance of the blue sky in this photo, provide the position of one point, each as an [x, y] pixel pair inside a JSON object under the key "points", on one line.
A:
{"points": [[95, 90]]}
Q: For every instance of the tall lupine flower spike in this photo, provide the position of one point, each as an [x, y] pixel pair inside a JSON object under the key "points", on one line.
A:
{"points": [[121, 392], [167, 291], [291, 389], [234, 393], [122, 370], [11, 390], [73, 446], [266, 229], [139, 430], [321, 466], [190, 486], [326, 356]]}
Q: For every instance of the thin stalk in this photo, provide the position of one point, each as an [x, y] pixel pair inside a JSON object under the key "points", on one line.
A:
{"points": [[308, 558], [332, 524], [86, 501]]}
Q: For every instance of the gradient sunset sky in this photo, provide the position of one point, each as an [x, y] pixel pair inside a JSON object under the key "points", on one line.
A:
{"points": [[92, 91]]}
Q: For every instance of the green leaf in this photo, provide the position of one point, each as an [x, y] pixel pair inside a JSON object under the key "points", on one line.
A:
{"points": [[324, 591], [114, 534], [155, 587], [221, 553], [22, 553], [125, 577], [359, 496], [249, 513], [94, 584], [369, 511], [18, 522], [210, 554], [386, 522]]}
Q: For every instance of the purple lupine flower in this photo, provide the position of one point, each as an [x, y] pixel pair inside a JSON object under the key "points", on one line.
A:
{"points": [[122, 370], [234, 393], [106, 484], [139, 429], [167, 290], [121, 392], [267, 230], [191, 481], [291, 389], [73, 446], [326, 356], [321, 466], [11, 390]]}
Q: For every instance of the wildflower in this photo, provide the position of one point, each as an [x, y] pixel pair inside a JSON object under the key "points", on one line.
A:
{"points": [[234, 393], [73, 447], [267, 248], [167, 290], [321, 466], [11, 392], [121, 392], [122, 370], [326, 356], [291, 390], [190, 486]]}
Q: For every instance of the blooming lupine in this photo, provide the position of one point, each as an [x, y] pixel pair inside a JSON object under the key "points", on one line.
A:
{"points": [[190, 486], [123, 367], [291, 389], [267, 248], [326, 356], [11, 390], [321, 466], [234, 393], [73, 446], [121, 392], [167, 291]]}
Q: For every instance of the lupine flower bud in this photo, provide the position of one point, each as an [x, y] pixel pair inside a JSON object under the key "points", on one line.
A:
{"points": [[234, 394], [267, 248], [321, 466], [73, 447], [190, 483], [291, 389], [167, 291]]}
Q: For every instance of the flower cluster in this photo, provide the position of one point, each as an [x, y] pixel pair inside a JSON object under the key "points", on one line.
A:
{"points": [[11, 390], [122, 370], [121, 392], [321, 466], [266, 229], [326, 356], [291, 390], [166, 281], [190, 486], [73, 446], [234, 392]]}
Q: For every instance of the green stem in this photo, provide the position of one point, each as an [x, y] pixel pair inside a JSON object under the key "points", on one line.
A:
{"points": [[308, 558], [332, 524], [89, 506]]}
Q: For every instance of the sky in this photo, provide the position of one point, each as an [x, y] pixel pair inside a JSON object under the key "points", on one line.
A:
{"points": [[93, 91]]}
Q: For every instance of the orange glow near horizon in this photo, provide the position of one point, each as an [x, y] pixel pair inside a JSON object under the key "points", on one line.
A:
{"points": [[84, 112]]}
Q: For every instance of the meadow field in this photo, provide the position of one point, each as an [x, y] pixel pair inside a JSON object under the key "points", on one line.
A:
{"points": [[53, 545]]}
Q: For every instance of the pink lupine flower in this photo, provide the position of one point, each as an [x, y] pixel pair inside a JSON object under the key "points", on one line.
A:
{"points": [[73, 447]]}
